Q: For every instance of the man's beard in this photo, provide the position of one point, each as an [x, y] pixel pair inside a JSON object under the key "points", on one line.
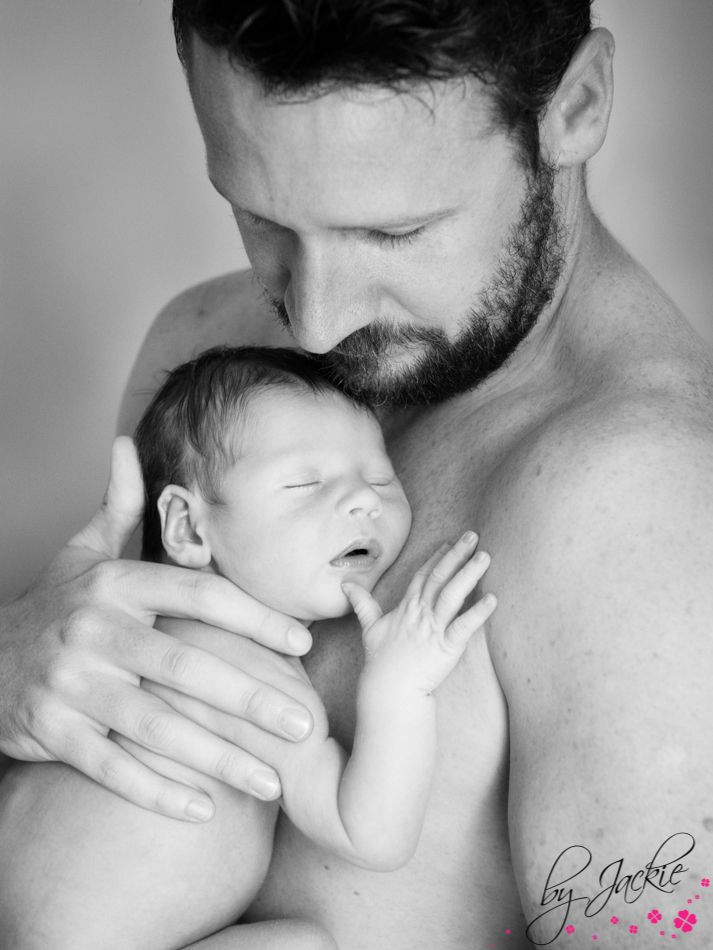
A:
{"points": [[363, 364]]}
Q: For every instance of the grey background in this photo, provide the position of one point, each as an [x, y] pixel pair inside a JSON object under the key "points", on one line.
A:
{"points": [[105, 213]]}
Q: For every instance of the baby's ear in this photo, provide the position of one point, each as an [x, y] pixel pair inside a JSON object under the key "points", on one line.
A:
{"points": [[182, 527]]}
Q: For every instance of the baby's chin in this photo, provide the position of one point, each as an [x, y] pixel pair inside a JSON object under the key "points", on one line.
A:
{"points": [[329, 608], [325, 613]]}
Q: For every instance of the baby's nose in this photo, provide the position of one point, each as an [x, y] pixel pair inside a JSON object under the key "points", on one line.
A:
{"points": [[364, 499]]}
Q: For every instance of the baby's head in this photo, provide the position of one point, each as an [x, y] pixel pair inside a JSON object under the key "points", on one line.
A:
{"points": [[257, 467]]}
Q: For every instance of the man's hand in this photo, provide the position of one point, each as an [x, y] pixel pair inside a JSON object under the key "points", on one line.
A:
{"points": [[74, 647]]}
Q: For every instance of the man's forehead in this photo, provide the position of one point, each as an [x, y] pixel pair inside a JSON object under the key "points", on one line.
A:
{"points": [[364, 131]]}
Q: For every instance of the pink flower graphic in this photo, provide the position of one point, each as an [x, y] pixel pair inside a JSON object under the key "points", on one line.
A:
{"points": [[654, 916], [705, 882], [570, 929], [614, 920], [685, 920], [633, 929]]}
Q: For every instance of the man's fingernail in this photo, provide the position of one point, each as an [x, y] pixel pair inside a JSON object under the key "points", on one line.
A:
{"points": [[299, 639], [469, 537], [264, 784], [200, 810], [295, 723]]}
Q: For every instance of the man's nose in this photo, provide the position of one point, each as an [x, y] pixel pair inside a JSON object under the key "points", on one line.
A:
{"points": [[361, 499], [329, 295]]}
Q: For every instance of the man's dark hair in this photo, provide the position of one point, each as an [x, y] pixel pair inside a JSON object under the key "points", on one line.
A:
{"points": [[520, 48], [187, 434]]}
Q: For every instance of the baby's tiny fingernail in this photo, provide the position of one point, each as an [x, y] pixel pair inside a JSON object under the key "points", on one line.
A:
{"points": [[480, 557], [469, 537], [490, 600]]}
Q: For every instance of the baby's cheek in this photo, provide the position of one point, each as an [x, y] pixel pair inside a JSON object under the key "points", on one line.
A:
{"points": [[405, 518], [399, 531]]}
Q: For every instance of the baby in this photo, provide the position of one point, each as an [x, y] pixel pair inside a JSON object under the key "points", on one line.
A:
{"points": [[258, 468]]}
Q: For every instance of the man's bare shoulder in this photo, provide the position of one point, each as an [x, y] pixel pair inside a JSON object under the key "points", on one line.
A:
{"points": [[230, 309], [653, 414], [597, 487]]}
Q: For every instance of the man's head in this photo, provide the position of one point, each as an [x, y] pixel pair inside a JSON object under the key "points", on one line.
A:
{"points": [[257, 467], [392, 167]]}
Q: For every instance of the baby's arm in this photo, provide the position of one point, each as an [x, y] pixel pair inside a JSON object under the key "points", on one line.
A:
{"points": [[369, 809]]}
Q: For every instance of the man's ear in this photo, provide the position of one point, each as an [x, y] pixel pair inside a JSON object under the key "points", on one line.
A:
{"points": [[575, 123], [182, 527]]}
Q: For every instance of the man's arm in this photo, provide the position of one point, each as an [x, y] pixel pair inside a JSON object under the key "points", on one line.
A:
{"points": [[603, 646]]}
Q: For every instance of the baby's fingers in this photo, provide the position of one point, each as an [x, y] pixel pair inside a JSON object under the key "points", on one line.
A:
{"points": [[446, 566], [422, 575], [365, 607], [453, 595], [463, 627]]}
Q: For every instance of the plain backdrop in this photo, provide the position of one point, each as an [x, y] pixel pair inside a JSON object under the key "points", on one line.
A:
{"points": [[106, 212]]}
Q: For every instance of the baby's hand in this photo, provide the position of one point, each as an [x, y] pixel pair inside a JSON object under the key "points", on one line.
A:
{"points": [[422, 639]]}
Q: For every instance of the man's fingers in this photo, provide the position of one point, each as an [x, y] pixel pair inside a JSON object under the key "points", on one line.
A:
{"points": [[159, 657], [453, 595], [447, 565], [154, 589], [110, 766], [153, 725], [237, 732], [120, 512], [464, 627], [365, 607]]}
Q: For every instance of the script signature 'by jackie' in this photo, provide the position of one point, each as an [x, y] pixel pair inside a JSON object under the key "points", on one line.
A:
{"points": [[662, 873]]}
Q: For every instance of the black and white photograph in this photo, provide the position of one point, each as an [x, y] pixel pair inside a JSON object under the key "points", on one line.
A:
{"points": [[356, 440]]}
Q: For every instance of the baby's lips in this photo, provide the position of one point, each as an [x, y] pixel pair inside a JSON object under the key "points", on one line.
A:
{"points": [[369, 546]]}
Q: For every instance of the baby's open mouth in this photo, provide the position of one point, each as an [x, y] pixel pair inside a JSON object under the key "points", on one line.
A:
{"points": [[362, 552]]}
